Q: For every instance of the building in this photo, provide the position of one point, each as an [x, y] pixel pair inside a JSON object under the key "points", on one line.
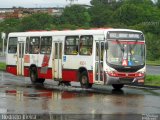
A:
{"points": [[22, 12]]}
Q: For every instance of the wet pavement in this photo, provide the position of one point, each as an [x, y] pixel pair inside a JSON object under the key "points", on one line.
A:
{"points": [[153, 70], [2, 59], [19, 96]]}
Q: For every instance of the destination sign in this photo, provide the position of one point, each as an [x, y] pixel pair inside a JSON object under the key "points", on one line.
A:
{"points": [[125, 35]]}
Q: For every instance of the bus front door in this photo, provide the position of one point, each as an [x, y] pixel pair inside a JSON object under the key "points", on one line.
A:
{"points": [[99, 73], [20, 57], [57, 60]]}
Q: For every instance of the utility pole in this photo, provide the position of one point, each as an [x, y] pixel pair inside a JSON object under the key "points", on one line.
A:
{"points": [[3, 35]]}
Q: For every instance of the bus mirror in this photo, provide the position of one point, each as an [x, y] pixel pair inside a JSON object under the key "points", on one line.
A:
{"points": [[106, 45]]}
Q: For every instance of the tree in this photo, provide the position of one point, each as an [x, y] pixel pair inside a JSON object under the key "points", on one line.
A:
{"points": [[153, 43], [129, 14], [100, 16], [76, 15], [40, 21], [134, 12], [102, 12], [158, 3], [10, 25]]}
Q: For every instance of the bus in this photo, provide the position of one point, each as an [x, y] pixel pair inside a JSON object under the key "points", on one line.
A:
{"points": [[96, 56]]}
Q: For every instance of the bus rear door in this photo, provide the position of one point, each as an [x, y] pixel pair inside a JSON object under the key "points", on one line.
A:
{"points": [[20, 55], [57, 60], [99, 73]]}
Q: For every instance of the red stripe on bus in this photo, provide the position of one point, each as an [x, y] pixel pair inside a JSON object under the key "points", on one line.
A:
{"points": [[11, 91], [11, 69], [26, 71], [72, 75], [47, 75], [45, 60], [127, 42], [90, 75], [69, 75]]}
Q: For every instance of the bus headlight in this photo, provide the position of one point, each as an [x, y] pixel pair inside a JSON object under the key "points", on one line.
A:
{"points": [[112, 73]]}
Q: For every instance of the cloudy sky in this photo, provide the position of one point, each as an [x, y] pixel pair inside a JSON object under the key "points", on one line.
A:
{"points": [[38, 3]]}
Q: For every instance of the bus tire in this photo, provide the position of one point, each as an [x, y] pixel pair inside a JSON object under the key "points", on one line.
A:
{"points": [[117, 86], [33, 74], [40, 80], [84, 81]]}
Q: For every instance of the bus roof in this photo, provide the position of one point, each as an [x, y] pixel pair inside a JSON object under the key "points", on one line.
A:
{"points": [[67, 32]]}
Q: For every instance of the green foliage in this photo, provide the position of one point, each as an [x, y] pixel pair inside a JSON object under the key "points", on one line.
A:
{"points": [[39, 21], [2, 66], [9, 25], [100, 16], [153, 63], [158, 3], [128, 14], [152, 80], [152, 48], [76, 15]]}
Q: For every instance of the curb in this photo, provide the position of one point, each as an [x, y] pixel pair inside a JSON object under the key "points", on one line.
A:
{"points": [[143, 86], [2, 70]]}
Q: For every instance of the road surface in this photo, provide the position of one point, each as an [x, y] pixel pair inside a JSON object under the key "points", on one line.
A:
{"points": [[2, 59], [19, 96], [153, 70]]}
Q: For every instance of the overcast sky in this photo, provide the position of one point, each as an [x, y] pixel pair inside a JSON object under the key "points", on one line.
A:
{"points": [[38, 3]]}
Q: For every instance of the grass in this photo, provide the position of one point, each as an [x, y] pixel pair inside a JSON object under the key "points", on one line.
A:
{"points": [[2, 66], [152, 80], [154, 63]]}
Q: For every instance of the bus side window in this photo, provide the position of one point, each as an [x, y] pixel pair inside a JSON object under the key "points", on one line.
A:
{"points": [[12, 45], [46, 45], [71, 45], [86, 44], [34, 45]]}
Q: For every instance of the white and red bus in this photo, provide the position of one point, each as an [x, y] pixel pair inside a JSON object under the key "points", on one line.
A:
{"points": [[100, 56]]}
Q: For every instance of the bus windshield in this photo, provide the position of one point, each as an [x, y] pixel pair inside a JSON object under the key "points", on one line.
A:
{"points": [[126, 53]]}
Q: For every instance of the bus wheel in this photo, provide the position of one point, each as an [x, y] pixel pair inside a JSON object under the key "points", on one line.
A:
{"points": [[117, 86], [41, 80], [33, 75], [84, 80]]}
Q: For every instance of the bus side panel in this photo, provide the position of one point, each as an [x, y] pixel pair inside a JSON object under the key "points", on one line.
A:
{"points": [[90, 76], [45, 66], [11, 69], [26, 71], [69, 75], [46, 75]]}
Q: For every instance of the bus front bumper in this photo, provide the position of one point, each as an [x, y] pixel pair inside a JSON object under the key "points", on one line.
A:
{"points": [[124, 80]]}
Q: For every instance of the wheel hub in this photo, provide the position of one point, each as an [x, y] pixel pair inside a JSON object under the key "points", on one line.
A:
{"points": [[84, 79]]}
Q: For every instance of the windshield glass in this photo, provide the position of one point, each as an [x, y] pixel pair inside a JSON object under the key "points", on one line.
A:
{"points": [[126, 53]]}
